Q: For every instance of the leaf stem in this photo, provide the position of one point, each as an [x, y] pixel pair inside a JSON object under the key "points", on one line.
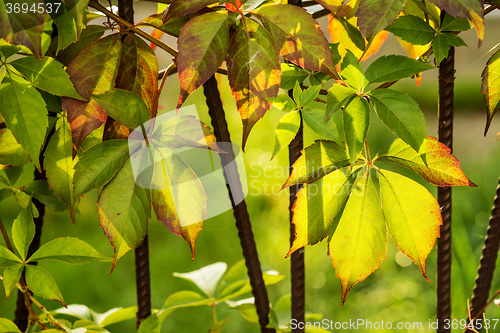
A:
{"points": [[6, 237], [367, 152]]}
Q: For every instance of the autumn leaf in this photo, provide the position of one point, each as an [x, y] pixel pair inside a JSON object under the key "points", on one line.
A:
{"points": [[179, 8], [300, 40], [440, 168], [202, 44], [254, 72], [490, 88], [356, 118], [375, 15], [92, 71]]}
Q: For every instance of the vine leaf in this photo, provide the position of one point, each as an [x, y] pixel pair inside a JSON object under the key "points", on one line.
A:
{"points": [[441, 169], [59, 165], [359, 243], [375, 15], [287, 128], [23, 231], [337, 97], [394, 67], [78, 10], [23, 109], [441, 45], [300, 40], [254, 72], [68, 249], [179, 8], [316, 161], [401, 114], [98, 165], [412, 214], [412, 29], [332, 5], [66, 28], [356, 118], [490, 88], [469, 9], [46, 74], [352, 73], [11, 152], [124, 106], [42, 284], [314, 117], [138, 71], [317, 205], [93, 71], [124, 211], [11, 277], [7, 258], [291, 74]]}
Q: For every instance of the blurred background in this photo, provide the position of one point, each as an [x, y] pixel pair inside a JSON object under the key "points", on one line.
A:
{"points": [[396, 292]]}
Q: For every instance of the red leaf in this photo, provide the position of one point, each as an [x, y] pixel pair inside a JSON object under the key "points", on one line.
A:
{"points": [[254, 72], [232, 8], [179, 8]]}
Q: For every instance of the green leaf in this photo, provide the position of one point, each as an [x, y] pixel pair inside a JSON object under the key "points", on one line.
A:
{"points": [[469, 9], [254, 72], [300, 40], [40, 191], [337, 97], [284, 103], [126, 107], [412, 214], [353, 33], [172, 27], [23, 231], [451, 23], [394, 67], [297, 94], [286, 130], [316, 161], [5, 193], [247, 309], [93, 71], [315, 119], [291, 74], [11, 152], [98, 165], [441, 45], [124, 211], [412, 29], [68, 249], [441, 169], [7, 258], [90, 34], [118, 315], [352, 73], [46, 74], [13, 174], [490, 87], [317, 205], [66, 28], [375, 15], [59, 165], [139, 71], [401, 114], [8, 50], [78, 9], [202, 44], [206, 278], [11, 277], [182, 299], [150, 325], [8, 326], [309, 95], [22, 28], [180, 8], [25, 114], [359, 243], [42, 284], [356, 119]]}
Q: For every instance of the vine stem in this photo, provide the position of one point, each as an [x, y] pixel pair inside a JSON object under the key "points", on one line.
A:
{"points": [[445, 134], [6, 237], [488, 260], [240, 211]]}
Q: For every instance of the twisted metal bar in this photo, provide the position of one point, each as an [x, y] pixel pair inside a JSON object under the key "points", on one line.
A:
{"points": [[445, 133], [245, 233], [487, 265]]}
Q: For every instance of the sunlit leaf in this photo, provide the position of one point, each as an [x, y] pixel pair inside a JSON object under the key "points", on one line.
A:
{"points": [[337, 98], [68, 249], [180, 8], [66, 27], [23, 231], [316, 161], [205, 278], [412, 214], [356, 119], [25, 114], [353, 33], [352, 73], [375, 15], [442, 168], [253, 71], [490, 87], [90, 34], [42, 284], [202, 45], [46, 74], [332, 5], [11, 152], [291, 74], [126, 107], [8, 326], [172, 27], [124, 211], [7, 258], [286, 130], [314, 117], [401, 114], [92, 71], [59, 164], [183, 299], [317, 205], [412, 29], [394, 67], [300, 40], [11, 277]]}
